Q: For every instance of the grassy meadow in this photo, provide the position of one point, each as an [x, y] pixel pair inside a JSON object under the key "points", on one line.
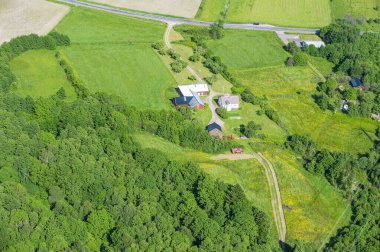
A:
{"points": [[210, 10], [296, 13], [112, 53], [289, 92], [312, 204], [39, 75], [356, 8], [242, 49]]}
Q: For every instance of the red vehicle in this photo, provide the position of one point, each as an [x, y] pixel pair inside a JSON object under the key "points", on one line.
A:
{"points": [[237, 150]]}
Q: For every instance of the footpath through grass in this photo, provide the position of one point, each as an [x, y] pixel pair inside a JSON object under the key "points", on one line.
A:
{"points": [[112, 53], [39, 75], [295, 13]]}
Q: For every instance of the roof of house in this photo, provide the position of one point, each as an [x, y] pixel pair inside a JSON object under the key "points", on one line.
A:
{"points": [[183, 100], [315, 43], [213, 126], [229, 99], [356, 82], [197, 98], [186, 89]]}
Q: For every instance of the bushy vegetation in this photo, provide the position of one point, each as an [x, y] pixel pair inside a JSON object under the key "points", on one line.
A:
{"points": [[251, 129], [342, 171], [353, 53], [222, 112], [73, 178]]}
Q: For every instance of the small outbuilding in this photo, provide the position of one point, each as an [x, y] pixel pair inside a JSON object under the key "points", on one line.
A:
{"points": [[357, 83], [215, 130], [229, 102]]}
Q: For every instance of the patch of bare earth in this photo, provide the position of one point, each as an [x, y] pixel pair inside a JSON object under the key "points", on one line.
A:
{"points": [[181, 8], [233, 156], [23, 17]]}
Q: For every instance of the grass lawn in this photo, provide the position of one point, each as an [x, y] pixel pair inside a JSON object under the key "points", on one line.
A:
{"points": [[355, 8], [289, 91], [242, 49], [248, 112], [112, 53], [210, 10], [295, 13], [314, 205], [39, 75]]}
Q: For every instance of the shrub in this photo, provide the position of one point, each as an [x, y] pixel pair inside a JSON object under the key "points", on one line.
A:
{"points": [[300, 59], [178, 65], [222, 112], [158, 45], [195, 57]]}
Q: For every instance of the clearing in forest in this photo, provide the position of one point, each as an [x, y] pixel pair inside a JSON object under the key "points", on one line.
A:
{"points": [[295, 13], [38, 74], [113, 54], [23, 17], [181, 8]]}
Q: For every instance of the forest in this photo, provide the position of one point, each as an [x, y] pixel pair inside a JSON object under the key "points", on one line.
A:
{"points": [[73, 178]]}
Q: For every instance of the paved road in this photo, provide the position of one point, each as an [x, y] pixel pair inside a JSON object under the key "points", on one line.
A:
{"points": [[165, 19], [278, 212]]}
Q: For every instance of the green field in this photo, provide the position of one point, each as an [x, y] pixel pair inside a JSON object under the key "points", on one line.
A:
{"points": [[312, 204], [356, 8], [113, 53], [241, 49], [210, 10], [296, 13], [39, 75], [315, 205], [289, 91]]}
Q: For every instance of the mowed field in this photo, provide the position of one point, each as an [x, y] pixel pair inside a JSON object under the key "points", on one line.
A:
{"points": [[181, 8], [241, 49], [356, 8], [295, 13], [39, 75], [23, 17], [113, 53]]}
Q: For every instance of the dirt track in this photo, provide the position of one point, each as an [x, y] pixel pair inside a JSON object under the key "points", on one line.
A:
{"points": [[23, 17], [233, 156], [278, 212]]}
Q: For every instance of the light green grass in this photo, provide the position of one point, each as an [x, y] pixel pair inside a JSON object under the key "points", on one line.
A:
{"points": [[248, 112], [241, 49], [289, 90], [113, 53], [295, 13], [324, 66], [355, 8], [315, 204], [39, 75], [210, 10]]}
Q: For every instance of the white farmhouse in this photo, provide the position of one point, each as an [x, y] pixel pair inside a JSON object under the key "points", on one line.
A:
{"points": [[229, 102], [200, 89]]}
